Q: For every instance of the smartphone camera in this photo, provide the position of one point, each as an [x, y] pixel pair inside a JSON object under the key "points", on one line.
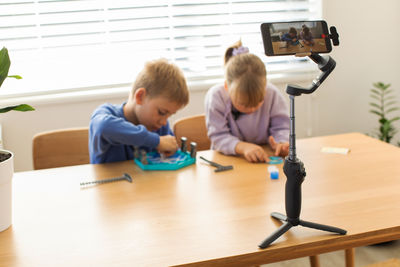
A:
{"points": [[298, 37]]}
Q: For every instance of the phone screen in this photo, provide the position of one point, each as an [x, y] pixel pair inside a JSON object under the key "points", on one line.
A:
{"points": [[296, 37]]}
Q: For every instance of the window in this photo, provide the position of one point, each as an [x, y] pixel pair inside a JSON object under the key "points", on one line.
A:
{"points": [[88, 44]]}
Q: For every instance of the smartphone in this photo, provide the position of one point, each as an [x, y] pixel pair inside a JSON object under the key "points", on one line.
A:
{"points": [[295, 37]]}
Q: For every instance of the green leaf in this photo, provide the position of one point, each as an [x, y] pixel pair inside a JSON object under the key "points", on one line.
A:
{"points": [[375, 92], [392, 109], [4, 64], [15, 76], [383, 121], [390, 103], [387, 131], [386, 86], [376, 112], [388, 97], [381, 85], [378, 84], [374, 96], [21, 107], [394, 119], [375, 105], [4, 68]]}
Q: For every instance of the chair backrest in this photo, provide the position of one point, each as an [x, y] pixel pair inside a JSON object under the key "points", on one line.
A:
{"points": [[194, 129], [59, 148]]}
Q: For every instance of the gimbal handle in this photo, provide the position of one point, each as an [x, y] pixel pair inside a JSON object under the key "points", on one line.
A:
{"points": [[326, 64]]}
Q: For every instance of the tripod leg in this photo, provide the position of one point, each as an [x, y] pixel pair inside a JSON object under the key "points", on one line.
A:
{"points": [[278, 232], [322, 227], [279, 216]]}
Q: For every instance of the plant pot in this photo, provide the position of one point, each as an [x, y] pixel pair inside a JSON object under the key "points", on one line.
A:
{"points": [[6, 174]]}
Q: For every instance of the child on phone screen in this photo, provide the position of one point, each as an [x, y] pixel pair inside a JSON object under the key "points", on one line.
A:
{"points": [[291, 37], [306, 36], [246, 112], [159, 91]]}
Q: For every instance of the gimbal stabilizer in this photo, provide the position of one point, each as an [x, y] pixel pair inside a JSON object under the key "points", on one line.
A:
{"points": [[293, 167]]}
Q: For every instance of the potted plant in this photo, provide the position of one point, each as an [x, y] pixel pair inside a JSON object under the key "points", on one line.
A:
{"points": [[383, 104], [6, 157]]}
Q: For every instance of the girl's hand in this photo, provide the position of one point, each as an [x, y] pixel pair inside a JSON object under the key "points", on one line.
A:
{"points": [[281, 149], [251, 152]]}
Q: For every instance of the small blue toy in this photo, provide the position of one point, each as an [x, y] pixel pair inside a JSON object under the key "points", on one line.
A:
{"points": [[273, 172]]}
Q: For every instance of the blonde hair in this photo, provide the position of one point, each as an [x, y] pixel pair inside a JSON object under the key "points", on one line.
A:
{"points": [[246, 76], [161, 78]]}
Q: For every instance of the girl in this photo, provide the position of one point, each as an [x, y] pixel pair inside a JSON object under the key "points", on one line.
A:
{"points": [[245, 112], [307, 36]]}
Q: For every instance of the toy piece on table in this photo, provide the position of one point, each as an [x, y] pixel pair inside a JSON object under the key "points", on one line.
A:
{"points": [[183, 144], [143, 157], [273, 172], [193, 149], [136, 153], [156, 161], [335, 150], [219, 167], [125, 176], [275, 160]]}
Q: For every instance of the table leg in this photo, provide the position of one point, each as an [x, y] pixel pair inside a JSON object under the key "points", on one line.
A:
{"points": [[314, 261], [349, 254]]}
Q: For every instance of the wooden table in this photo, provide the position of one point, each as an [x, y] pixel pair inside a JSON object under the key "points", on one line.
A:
{"points": [[195, 217], [280, 48]]}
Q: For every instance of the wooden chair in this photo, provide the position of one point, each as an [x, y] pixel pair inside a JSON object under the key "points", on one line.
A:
{"points": [[194, 129], [59, 148]]}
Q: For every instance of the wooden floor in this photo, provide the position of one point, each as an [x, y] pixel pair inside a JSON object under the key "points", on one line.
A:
{"points": [[364, 256]]}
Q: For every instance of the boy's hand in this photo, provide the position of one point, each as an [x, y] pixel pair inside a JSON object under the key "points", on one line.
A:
{"points": [[167, 145], [281, 149], [251, 152]]}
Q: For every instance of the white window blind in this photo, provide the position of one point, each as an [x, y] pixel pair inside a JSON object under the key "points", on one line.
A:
{"points": [[89, 44]]}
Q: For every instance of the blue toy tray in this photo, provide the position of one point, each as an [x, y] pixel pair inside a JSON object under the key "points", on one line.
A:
{"points": [[156, 162]]}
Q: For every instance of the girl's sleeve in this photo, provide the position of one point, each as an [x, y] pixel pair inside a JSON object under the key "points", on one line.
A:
{"points": [[279, 121], [217, 124]]}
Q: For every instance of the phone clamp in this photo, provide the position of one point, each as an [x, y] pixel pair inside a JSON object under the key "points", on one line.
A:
{"points": [[294, 168], [334, 36]]}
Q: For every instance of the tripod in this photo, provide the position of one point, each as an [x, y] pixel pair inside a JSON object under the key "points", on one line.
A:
{"points": [[294, 168]]}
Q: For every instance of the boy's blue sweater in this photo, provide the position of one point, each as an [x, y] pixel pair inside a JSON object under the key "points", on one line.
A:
{"points": [[112, 137]]}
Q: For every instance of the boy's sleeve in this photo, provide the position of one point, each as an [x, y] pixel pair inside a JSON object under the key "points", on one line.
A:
{"points": [[279, 121], [116, 131], [217, 125], [285, 37]]}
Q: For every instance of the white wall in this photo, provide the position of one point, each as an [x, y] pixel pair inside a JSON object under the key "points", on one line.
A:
{"points": [[369, 52], [369, 38]]}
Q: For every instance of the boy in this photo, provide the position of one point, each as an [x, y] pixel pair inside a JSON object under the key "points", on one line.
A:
{"points": [[291, 37], [159, 91]]}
